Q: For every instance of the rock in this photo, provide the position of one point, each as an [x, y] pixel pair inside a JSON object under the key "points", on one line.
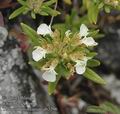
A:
{"points": [[113, 85], [109, 48], [3, 35], [20, 89]]}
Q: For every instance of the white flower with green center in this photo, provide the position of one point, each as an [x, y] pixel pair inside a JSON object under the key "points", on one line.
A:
{"points": [[88, 41], [80, 66], [44, 29], [50, 74], [38, 54]]}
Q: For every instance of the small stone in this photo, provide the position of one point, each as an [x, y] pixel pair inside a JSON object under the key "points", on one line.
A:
{"points": [[0, 97], [3, 33], [1, 51], [1, 43]]}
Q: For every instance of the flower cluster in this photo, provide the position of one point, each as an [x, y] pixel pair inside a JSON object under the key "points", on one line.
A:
{"points": [[35, 5], [70, 49], [40, 7], [112, 2]]}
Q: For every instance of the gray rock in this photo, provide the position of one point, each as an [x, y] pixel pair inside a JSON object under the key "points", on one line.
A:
{"points": [[113, 85], [19, 86], [109, 48], [3, 35]]}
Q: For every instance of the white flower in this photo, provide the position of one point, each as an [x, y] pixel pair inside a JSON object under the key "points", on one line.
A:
{"points": [[38, 54], [68, 33], [44, 29], [80, 66], [89, 41], [49, 75], [83, 30]]}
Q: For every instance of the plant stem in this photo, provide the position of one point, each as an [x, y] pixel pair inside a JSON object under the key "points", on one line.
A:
{"points": [[51, 21]]}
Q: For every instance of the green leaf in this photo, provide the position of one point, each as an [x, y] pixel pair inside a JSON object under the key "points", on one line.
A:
{"points": [[101, 5], [35, 64], [95, 109], [43, 10], [49, 2], [93, 12], [91, 75], [43, 13], [17, 12], [109, 107], [50, 11], [22, 2], [33, 15], [52, 85], [31, 34], [39, 64], [93, 33], [61, 27], [62, 70], [104, 108], [69, 2], [93, 63], [107, 9], [91, 54]]}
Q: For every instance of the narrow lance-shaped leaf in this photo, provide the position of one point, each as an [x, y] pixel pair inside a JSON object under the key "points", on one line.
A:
{"points": [[62, 70], [52, 85], [22, 2], [17, 12], [95, 109], [109, 107], [107, 9], [48, 3], [92, 54], [30, 33], [104, 108], [49, 11], [93, 63], [33, 15], [43, 13], [91, 75], [93, 12]]}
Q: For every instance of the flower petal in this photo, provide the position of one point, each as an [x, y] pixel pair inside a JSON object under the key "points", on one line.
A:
{"points": [[80, 69], [80, 66], [44, 29], [89, 41], [83, 30], [49, 75], [38, 54], [68, 32]]}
